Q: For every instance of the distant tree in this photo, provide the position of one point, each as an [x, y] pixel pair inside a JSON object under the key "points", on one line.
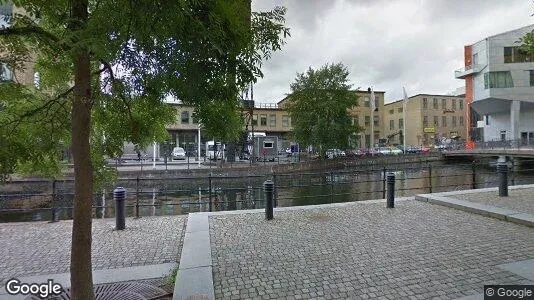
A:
{"points": [[105, 68], [318, 106], [527, 43]]}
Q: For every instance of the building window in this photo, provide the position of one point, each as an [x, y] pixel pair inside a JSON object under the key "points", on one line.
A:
{"points": [[425, 121], [444, 121], [356, 120], [487, 119], [531, 77], [461, 104], [401, 123], [376, 119], [5, 73], [435, 103], [263, 120], [425, 103], [391, 124], [376, 102], [517, 55], [366, 101], [453, 104], [443, 103], [400, 109], [453, 121], [185, 117], [268, 144], [436, 121], [508, 54], [254, 120], [367, 120], [501, 79], [272, 120], [285, 121], [391, 111], [461, 120]]}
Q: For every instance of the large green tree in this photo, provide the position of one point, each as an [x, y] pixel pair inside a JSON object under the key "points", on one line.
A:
{"points": [[527, 43], [105, 67], [318, 106]]}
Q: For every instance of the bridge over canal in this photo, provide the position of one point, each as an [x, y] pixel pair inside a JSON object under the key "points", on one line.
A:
{"points": [[495, 152]]}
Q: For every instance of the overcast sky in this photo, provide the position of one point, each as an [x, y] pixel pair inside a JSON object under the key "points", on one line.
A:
{"points": [[385, 43]]}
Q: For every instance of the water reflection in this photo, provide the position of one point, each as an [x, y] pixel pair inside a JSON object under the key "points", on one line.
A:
{"points": [[181, 196]]}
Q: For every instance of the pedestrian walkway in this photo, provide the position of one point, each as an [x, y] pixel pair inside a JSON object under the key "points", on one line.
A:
{"points": [[40, 248], [417, 250], [518, 199], [517, 207], [359, 250]]}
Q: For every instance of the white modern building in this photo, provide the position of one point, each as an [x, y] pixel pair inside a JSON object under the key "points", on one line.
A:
{"points": [[499, 81]]}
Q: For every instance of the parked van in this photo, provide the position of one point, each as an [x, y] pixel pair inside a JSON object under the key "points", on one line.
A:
{"points": [[214, 150]]}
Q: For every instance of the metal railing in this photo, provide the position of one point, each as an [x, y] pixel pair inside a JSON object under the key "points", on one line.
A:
{"points": [[216, 192], [506, 144], [473, 68], [526, 144]]}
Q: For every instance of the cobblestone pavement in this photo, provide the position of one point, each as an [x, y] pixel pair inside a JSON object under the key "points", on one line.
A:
{"points": [[520, 199], [414, 251], [37, 248]]}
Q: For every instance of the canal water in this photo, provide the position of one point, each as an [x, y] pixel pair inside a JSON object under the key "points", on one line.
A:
{"points": [[172, 196]]}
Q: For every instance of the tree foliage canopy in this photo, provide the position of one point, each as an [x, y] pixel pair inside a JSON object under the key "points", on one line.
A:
{"points": [[105, 68], [318, 106], [141, 52], [527, 42]]}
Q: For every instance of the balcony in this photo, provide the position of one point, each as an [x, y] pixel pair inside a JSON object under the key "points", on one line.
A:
{"points": [[466, 71]]}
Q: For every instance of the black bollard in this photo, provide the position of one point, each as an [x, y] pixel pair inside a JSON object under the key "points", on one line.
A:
{"points": [[55, 215], [502, 169], [390, 202], [268, 187], [54, 210], [119, 194]]}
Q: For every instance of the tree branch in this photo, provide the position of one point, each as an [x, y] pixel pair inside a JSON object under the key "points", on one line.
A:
{"points": [[32, 112], [107, 67], [29, 30]]}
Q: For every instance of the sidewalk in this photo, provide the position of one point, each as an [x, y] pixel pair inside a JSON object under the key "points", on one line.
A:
{"points": [[359, 250], [149, 247], [356, 250]]}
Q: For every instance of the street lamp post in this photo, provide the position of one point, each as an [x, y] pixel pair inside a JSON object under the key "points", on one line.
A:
{"points": [[198, 146]]}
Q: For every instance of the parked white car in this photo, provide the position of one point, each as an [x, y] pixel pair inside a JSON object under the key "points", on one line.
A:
{"points": [[396, 151], [384, 151], [178, 153]]}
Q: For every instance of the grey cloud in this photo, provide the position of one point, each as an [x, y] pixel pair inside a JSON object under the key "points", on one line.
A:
{"points": [[386, 43]]}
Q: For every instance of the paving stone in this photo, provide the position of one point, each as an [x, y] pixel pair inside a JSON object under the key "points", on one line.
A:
{"points": [[518, 199], [38, 248], [417, 251]]}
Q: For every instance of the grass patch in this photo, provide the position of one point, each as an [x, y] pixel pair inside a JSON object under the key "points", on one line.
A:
{"points": [[170, 278]]}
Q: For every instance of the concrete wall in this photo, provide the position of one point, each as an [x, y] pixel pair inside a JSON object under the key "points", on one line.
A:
{"points": [[268, 112], [501, 121], [363, 110], [493, 47], [481, 51], [415, 113]]}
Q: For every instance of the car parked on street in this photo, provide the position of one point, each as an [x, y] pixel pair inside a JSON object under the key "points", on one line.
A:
{"points": [[384, 151], [425, 149], [178, 153], [333, 153], [396, 151]]}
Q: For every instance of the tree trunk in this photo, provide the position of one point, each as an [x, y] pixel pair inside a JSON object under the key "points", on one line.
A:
{"points": [[80, 265]]}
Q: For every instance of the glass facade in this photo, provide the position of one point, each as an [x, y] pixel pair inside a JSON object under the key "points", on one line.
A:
{"points": [[517, 55], [502, 79]]}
